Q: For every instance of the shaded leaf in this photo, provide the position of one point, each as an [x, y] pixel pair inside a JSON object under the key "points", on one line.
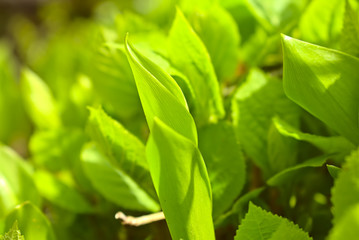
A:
{"points": [[56, 149], [61, 194], [32, 222], [225, 164], [124, 150], [113, 183], [333, 170], [288, 174], [330, 145], [254, 105]]}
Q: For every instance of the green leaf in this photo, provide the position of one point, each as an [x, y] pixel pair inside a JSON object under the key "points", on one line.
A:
{"points": [[113, 80], [113, 183], [345, 193], [262, 225], [277, 15], [39, 102], [333, 171], [322, 25], [56, 149], [160, 95], [124, 150], [254, 105], [329, 145], [10, 100], [189, 55], [219, 33], [181, 181], [349, 40], [321, 81], [348, 226], [225, 164], [239, 207], [61, 194], [13, 234], [16, 181], [288, 174], [32, 222]]}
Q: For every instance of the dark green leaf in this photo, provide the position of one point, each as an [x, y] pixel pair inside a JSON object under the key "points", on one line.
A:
{"points": [[225, 163]]}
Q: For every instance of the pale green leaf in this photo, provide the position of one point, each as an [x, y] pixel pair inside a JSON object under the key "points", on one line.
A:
{"points": [[39, 101], [322, 25], [124, 150], [13, 234], [113, 183], [16, 181], [189, 55], [348, 226], [254, 105], [181, 181], [262, 225], [32, 222], [349, 40], [61, 194], [336, 144], [113, 80], [56, 149], [225, 164], [160, 95], [277, 15], [219, 33], [323, 82], [345, 193]]}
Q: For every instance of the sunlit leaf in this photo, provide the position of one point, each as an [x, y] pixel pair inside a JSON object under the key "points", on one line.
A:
{"points": [[39, 102], [16, 181], [188, 54], [181, 181], [345, 193], [323, 82], [260, 224]]}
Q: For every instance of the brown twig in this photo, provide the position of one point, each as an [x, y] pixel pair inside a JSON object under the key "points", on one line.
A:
{"points": [[139, 221]]}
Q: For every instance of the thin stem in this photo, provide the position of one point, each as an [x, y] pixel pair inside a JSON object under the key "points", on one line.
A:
{"points": [[139, 221]]}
